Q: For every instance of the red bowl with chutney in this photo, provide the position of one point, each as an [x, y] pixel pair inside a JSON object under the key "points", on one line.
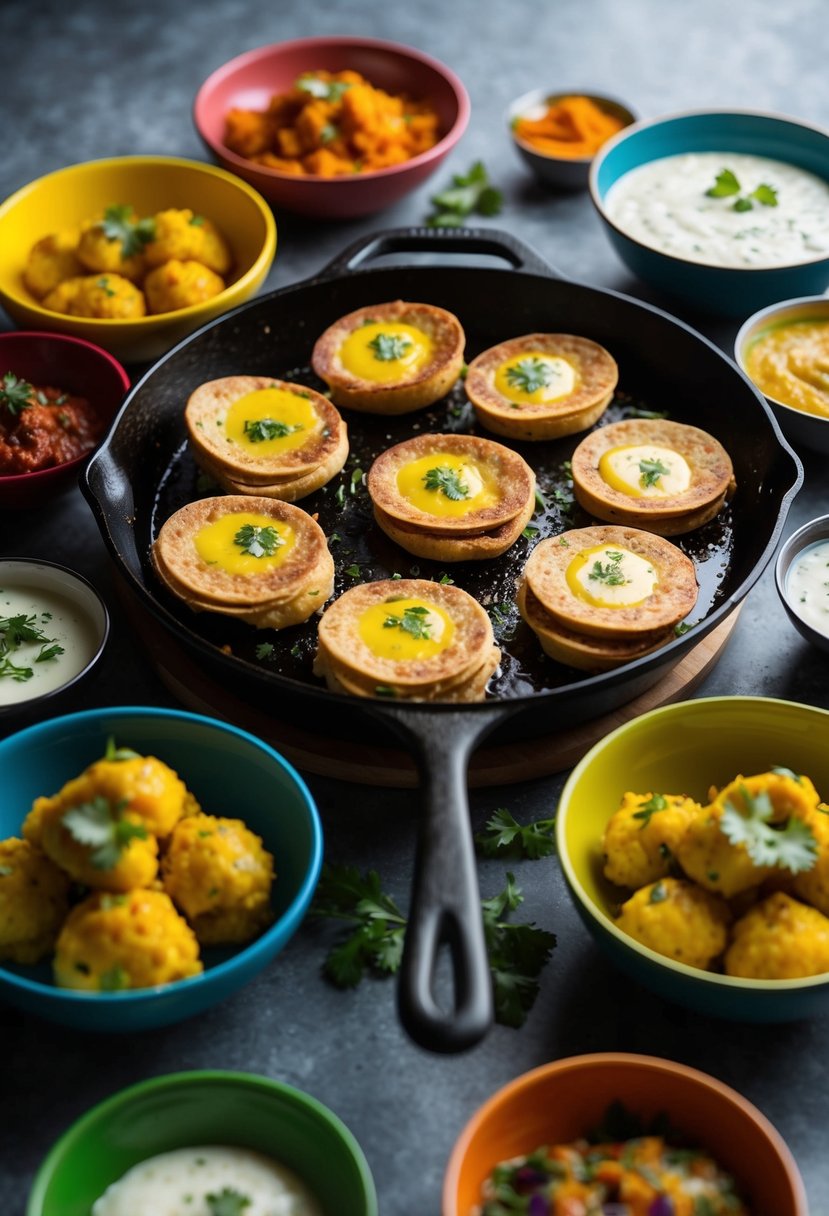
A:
{"points": [[78, 369]]}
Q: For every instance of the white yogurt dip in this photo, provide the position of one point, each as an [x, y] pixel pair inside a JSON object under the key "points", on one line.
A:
{"points": [[196, 1182], [807, 586], [665, 205], [70, 639]]}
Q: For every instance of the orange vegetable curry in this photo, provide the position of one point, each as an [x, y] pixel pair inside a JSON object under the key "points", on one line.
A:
{"points": [[42, 427], [571, 126]]}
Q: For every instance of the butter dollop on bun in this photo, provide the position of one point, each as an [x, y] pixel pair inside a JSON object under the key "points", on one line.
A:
{"points": [[390, 358], [258, 560], [408, 639], [452, 497], [265, 437], [664, 476], [541, 386], [600, 596]]}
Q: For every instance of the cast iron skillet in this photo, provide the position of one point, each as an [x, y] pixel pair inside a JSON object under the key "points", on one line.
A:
{"points": [[144, 472]]}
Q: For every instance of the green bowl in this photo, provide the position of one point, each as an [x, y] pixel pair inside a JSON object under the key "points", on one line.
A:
{"points": [[686, 748], [193, 1108]]}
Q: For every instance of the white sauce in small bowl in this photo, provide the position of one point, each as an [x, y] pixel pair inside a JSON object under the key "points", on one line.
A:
{"points": [[807, 586], [664, 204], [182, 1182], [65, 611]]}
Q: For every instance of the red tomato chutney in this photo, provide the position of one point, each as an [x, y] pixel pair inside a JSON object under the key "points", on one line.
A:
{"points": [[41, 427], [644, 1176]]}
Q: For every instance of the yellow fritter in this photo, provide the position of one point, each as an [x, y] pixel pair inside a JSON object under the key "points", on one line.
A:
{"points": [[779, 939], [179, 284], [51, 260], [642, 837], [106, 296], [100, 252], [34, 899], [184, 236], [677, 919]]}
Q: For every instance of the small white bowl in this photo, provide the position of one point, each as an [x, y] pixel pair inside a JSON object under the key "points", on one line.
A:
{"points": [[79, 621], [810, 534], [802, 429]]}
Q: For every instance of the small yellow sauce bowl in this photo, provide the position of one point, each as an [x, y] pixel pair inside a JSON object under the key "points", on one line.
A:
{"points": [[78, 193]]}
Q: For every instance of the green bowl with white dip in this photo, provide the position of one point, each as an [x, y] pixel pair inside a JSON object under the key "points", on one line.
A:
{"points": [[725, 210]]}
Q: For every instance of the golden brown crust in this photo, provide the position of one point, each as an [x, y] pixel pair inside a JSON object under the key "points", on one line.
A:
{"points": [[597, 377], [287, 490], [415, 392], [672, 599], [205, 414], [471, 688], [456, 548], [712, 476], [188, 575], [514, 477]]}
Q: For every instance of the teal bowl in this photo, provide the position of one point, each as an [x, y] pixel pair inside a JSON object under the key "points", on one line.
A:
{"points": [[687, 747], [726, 291], [201, 1108], [231, 773]]}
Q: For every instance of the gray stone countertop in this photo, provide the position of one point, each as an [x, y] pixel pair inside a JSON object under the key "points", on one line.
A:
{"points": [[85, 80]]}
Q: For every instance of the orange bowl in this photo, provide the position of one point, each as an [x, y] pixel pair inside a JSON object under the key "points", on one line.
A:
{"points": [[558, 1102]]}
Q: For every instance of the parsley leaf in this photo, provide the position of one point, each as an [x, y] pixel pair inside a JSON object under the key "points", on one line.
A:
{"points": [[725, 185], [227, 1202], [119, 224], [505, 836], [657, 802], [414, 621], [258, 542], [610, 572], [517, 954], [765, 195], [325, 90], [15, 393], [101, 826], [119, 753], [446, 481], [260, 429], [782, 771], [467, 195], [531, 374], [264, 650], [791, 846], [651, 471], [388, 347]]}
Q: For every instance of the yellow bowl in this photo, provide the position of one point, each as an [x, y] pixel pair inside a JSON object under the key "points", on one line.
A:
{"points": [[686, 748], [70, 196]]}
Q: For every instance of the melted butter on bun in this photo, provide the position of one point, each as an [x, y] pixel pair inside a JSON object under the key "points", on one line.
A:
{"points": [[272, 420], [535, 377], [406, 629], [385, 351], [244, 543], [610, 576], [645, 470], [447, 485]]}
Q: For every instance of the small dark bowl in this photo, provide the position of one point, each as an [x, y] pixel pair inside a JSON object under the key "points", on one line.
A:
{"points": [[79, 368], [561, 172], [812, 532]]}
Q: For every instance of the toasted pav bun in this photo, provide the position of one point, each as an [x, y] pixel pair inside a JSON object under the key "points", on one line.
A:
{"points": [[541, 386], [435, 547], [665, 476], [451, 485], [614, 582], [234, 552], [390, 358], [261, 430], [471, 688], [411, 635], [286, 489], [581, 650]]}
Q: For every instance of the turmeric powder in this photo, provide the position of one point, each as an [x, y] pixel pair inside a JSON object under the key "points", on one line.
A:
{"points": [[573, 127], [333, 123]]}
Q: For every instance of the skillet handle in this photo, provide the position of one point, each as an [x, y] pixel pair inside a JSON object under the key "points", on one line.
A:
{"points": [[493, 242], [445, 909]]}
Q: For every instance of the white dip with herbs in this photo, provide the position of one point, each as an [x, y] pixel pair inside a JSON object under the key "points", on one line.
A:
{"points": [[724, 209], [807, 586], [45, 640], [210, 1180]]}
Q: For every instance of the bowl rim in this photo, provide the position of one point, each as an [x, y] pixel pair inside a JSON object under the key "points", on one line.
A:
{"points": [[514, 109], [250, 951], [66, 1143], [812, 532], [16, 480], [643, 124], [768, 314], [636, 1060], [153, 320], [225, 70], [17, 708], [696, 705]]}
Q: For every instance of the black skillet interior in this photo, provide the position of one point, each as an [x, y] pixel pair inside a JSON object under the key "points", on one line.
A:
{"points": [[146, 472]]}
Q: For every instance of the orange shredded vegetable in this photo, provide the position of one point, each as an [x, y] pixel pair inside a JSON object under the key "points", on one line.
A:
{"points": [[333, 123], [572, 126]]}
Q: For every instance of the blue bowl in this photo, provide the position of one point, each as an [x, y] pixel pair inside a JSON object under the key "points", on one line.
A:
{"points": [[727, 291], [231, 773]]}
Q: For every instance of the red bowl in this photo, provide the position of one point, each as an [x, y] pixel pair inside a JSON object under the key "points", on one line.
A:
{"points": [[251, 79], [78, 367]]}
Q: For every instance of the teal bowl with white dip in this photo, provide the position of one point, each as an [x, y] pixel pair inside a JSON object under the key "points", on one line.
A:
{"points": [[725, 210]]}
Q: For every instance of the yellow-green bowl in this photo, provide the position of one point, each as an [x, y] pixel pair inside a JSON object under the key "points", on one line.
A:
{"points": [[685, 748], [70, 196]]}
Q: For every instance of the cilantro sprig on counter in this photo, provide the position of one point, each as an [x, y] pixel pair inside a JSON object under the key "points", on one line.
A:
{"points": [[468, 195], [504, 836], [789, 846]]}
